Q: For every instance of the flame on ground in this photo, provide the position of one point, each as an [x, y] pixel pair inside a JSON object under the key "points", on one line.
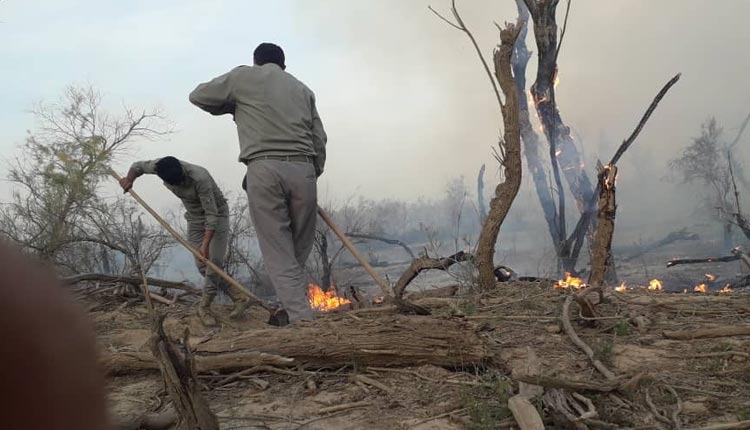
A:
{"points": [[655, 285], [324, 301], [570, 282], [726, 290], [622, 288], [710, 276], [701, 288]]}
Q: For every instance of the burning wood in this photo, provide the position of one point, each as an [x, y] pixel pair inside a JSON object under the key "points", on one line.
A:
{"points": [[325, 301], [570, 282], [655, 285], [701, 288]]}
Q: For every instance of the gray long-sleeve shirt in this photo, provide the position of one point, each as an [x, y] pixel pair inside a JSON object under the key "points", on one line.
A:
{"points": [[274, 112], [203, 200]]}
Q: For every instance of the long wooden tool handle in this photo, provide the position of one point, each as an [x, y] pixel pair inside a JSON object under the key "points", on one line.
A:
{"points": [[190, 247], [350, 246]]}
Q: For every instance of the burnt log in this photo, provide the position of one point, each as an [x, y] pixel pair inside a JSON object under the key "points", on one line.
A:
{"points": [[396, 341]]}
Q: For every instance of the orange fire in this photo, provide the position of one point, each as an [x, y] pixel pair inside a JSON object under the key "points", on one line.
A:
{"points": [[324, 301], [655, 285], [710, 277], [701, 288], [622, 288], [726, 290], [570, 282]]}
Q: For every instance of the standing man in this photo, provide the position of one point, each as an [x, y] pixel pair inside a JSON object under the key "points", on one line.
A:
{"points": [[282, 142], [207, 215]]}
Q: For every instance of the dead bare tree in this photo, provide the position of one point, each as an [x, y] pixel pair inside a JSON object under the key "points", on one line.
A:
{"points": [[705, 161], [509, 157], [508, 153]]}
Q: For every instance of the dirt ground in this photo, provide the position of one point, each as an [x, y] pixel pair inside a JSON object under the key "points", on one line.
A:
{"points": [[681, 384]]}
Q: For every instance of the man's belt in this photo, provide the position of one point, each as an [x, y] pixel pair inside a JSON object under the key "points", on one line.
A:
{"points": [[294, 158]]}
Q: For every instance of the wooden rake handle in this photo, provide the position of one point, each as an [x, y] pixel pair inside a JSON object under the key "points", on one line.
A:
{"points": [[350, 246], [218, 270]]}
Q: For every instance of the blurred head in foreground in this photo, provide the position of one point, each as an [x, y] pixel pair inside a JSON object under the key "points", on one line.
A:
{"points": [[49, 375]]}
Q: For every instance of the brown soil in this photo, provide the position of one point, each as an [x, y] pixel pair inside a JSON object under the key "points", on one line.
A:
{"points": [[710, 376]]}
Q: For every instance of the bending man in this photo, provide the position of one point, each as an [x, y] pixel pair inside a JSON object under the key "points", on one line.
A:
{"points": [[207, 215], [282, 142]]}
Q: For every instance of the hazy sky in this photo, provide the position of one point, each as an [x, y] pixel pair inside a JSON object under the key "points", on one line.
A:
{"points": [[402, 95]]}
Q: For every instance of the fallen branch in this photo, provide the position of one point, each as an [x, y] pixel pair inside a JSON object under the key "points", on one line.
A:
{"points": [[373, 383], [427, 263], [706, 333], [126, 362], [568, 327], [344, 407], [525, 413], [568, 384], [383, 239], [131, 280], [727, 426], [726, 259]]}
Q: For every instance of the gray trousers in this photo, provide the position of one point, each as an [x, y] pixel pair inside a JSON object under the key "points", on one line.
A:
{"points": [[283, 206], [217, 252]]}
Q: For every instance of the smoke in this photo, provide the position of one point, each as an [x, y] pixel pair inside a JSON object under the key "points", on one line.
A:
{"points": [[413, 99]]}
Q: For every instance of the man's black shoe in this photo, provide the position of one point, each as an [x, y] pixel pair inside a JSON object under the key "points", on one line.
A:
{"points": [[279, 318]]}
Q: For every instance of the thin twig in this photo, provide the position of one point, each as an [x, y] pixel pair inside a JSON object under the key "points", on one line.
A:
{"points": [[462, 26], [580, 343], [562, 33], [678, 408]]}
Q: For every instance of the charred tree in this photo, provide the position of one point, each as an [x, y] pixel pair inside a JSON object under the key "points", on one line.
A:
{"points": [[601, 256], [574, 243], [563, 150], [509, 156], [529, 138]]}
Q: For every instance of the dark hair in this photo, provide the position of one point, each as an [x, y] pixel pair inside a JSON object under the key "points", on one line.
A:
{"points": [[170, 171], [269, 53]]}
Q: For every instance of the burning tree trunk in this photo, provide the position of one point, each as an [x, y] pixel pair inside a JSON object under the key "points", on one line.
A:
{"points": [[510, 158], [530, 139], [563, 149], [601, 258]]}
